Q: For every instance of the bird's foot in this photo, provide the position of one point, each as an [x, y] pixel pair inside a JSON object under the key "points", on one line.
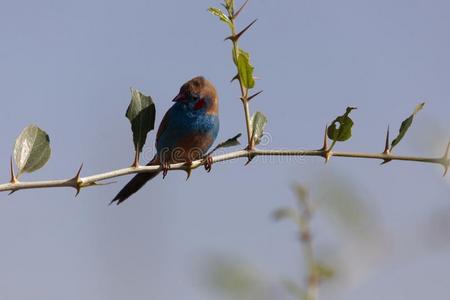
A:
{"points": [[208, 163], [188, 168], [165, 168]]}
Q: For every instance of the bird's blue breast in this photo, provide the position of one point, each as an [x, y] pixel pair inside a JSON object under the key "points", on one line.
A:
{"points": [[183, 121]]}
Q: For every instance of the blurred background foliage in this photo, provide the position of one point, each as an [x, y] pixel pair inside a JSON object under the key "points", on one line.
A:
{"points": [[354, 245]]}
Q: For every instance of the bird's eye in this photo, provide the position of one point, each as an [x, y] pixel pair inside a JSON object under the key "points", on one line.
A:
{"points": [[195, 97]]}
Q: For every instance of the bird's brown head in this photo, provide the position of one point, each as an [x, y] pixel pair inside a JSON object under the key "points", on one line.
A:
{"points": [[201, 92]]}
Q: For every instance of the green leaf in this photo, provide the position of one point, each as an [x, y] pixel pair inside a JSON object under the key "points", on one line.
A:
{"points": [[141, 113], [231, 142], [344, 131], [405, 125], [32, 149], [245, 69], [258, 122], [219, 13]]}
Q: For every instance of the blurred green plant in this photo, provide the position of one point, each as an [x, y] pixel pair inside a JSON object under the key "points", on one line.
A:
{"points": [[234, 279], [316, 271]]}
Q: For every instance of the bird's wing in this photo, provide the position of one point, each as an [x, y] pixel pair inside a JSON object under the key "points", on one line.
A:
{"points": [[163, 125]]}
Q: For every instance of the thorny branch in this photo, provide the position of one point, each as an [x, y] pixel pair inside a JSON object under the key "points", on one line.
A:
{"points": [[77, 182]]}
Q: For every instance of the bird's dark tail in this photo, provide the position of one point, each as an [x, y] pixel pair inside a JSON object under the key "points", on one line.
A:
{"points": [[134, 185]]}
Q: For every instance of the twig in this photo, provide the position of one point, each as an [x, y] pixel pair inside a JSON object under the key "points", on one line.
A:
{"points": [[244, 91], [78, 182]]}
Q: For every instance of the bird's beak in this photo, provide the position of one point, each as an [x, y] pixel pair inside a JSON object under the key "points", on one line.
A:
{"points": [[178, 98]]}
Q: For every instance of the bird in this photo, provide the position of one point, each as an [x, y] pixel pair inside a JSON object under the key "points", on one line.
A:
{"points": [[186, 132]]}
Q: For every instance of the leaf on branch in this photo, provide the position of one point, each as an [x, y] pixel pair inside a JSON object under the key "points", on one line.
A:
{"points": [[258, 122], [229, 6], [344, 131], [230, 142], [141, 113], [405, 125], [285, 214], [234, 141], [245, 69], [219, 13], [32, 149]]}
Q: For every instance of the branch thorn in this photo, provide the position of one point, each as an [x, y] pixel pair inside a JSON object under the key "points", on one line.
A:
{"points": [[326, 152], [188, 169], [13, 179], [236, 37], [328, 155], [240, 9], [165, 167], [254, 95], [250, 156], [387, 150], [325, 140], [77, 183]]}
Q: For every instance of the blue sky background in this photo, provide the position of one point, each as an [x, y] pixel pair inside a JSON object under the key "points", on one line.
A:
{"points": [[68, 66]]}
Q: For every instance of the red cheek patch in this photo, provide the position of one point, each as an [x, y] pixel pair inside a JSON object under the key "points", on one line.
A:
{"points": [[200, 103]]}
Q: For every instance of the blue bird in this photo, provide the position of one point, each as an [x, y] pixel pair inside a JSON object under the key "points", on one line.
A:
{"points": [[187, 131]]}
